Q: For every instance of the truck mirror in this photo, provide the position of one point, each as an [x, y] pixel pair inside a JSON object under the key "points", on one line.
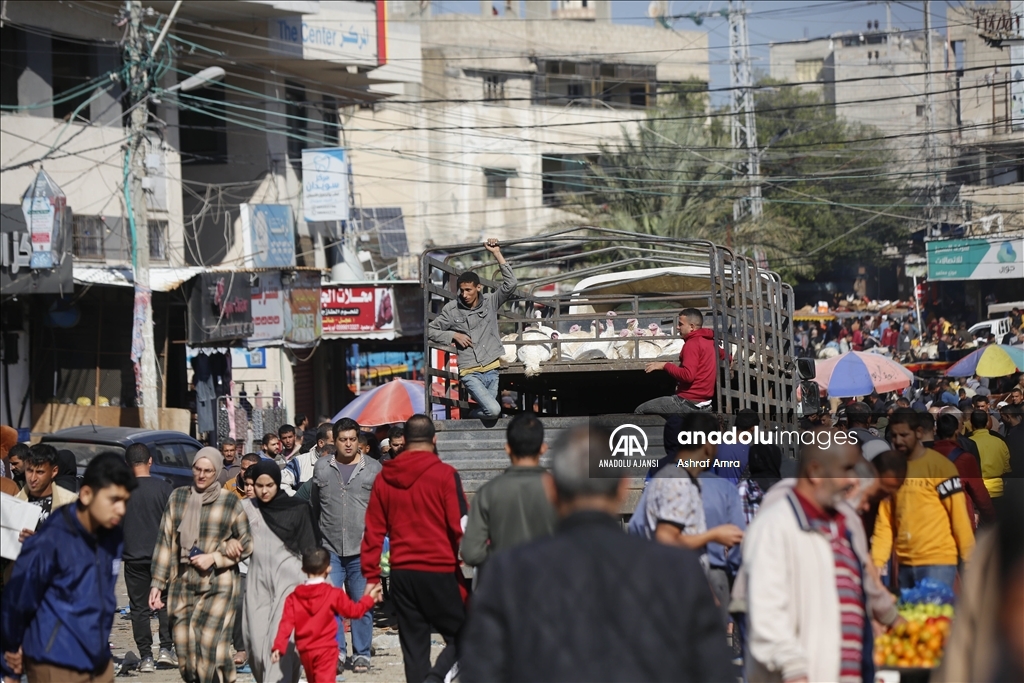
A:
{"points": [[810, 398], [805, 368]]}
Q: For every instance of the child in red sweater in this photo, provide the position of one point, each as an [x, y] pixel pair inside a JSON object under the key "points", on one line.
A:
{"points": [[310, 612]]}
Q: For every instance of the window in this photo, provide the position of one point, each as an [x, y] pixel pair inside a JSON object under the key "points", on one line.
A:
{"points": [[203, 124], [158, 240], [494, 88], [295, 95], [497, 182], [87, 237], [12, 63], [809, 70], [72, 62], [920, 110], [563, 176], [330, 117], [595, 84]]}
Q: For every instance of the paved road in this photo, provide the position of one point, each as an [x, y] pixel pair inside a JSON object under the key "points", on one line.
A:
{"points": [[386, 667]]}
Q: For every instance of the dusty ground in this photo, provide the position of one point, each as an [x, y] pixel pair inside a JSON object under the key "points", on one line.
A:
{"points": [[386, 665]]}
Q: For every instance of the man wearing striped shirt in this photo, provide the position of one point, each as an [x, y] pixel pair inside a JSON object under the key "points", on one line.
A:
{"points": [[804, 584]]}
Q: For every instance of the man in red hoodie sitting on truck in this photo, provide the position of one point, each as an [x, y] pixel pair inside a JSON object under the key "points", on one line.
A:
{"points": [[696, 374], [418, 503]]}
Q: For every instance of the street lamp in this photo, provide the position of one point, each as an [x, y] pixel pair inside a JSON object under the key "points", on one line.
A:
{"points": [[199, 80], [193, 82]]}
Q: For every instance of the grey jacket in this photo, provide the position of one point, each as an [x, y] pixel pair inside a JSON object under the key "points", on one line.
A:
{"points": [[508, 510], [339, 507], [480, 323]]}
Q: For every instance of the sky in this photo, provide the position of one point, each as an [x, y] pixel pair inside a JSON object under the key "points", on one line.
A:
{"points": [[768, 20]]}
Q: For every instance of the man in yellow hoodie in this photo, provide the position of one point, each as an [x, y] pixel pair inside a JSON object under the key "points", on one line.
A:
{"points": [[926, 521]]}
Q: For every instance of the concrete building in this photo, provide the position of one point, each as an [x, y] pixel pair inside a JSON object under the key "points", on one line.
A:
{"points": [[987, 144], [290, 67], [875, 77], [511, 104]]}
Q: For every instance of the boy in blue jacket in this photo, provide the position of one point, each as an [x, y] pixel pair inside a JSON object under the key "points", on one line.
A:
{"points": [[59, 605]]}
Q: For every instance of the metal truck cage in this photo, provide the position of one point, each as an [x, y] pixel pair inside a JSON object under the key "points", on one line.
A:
{"points": [[577, 275]]}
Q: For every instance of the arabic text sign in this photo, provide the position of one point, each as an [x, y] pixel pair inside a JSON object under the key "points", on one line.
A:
{"points": [[357, 309], [324, 184], [269, 235], [349, 37], [267, 308], [976, 259]]}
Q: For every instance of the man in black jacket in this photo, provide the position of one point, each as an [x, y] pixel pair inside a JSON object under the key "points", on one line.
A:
{"points": [[591, 603]]}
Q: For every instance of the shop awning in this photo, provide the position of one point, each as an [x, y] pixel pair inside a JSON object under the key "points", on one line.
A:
{"points": [[160, 279]]}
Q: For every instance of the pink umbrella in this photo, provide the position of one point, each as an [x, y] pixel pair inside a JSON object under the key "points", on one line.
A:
{"points": [[858, 374]]}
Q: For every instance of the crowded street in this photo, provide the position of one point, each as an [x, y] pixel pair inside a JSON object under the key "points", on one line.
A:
{"points": [[507, 341]]}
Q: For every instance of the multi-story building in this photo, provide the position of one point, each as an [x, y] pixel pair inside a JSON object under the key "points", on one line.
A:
{"points": [[289, 68], [512, 104], [987, 142], [875, 77]]}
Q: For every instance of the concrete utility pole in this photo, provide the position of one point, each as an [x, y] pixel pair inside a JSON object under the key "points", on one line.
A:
{"points": [[142, 326], [744, 125], [929, 109]]}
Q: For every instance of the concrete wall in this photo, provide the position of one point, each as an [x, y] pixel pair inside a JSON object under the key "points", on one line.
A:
{"points": [[437, 177], [89, 167], [886, 91], [679, 55], [429, 158]]}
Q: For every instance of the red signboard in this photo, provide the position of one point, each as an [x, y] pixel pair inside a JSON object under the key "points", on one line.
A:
{"points": [[357, 309]]}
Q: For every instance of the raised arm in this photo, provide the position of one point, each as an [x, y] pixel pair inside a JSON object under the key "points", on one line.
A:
{"points": [[508, 277]]}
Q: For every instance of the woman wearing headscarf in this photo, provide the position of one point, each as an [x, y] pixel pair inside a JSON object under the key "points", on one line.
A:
{"points": [[282, 528], [203, 534], [67, 471]]}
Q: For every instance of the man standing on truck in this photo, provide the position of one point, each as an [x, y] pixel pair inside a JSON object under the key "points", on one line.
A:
{"points": [[471, 323], [696, 373]]}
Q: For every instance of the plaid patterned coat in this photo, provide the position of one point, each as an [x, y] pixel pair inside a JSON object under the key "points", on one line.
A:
{"points": [[201, 606]]}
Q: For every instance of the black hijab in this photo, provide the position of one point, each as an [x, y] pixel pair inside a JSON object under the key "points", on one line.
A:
{"points": [[67, 471], [291, 519]]}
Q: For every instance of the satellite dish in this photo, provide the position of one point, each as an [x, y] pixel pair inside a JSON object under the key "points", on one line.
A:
{"points": [[657, 11]]}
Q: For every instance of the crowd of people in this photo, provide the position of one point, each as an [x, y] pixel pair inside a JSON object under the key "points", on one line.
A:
{"points": [[801, 572], [900, 336]]}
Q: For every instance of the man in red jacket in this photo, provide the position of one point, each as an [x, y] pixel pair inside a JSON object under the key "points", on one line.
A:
{"points": [[418, 503], [696, 374]]}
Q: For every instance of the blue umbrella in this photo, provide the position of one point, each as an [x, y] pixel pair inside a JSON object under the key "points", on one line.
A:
{"points": [[858, 374]]}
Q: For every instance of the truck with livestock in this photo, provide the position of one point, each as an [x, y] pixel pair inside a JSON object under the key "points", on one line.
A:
{"points": [[591, 309]]}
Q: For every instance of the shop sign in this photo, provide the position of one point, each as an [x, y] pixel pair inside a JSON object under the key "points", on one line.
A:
{"points": [[358, 311], [220, 308]]}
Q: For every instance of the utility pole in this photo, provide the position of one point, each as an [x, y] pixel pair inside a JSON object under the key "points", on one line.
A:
{"points": [[929, 108], [744, 125], [143, 346], [744, 122]]}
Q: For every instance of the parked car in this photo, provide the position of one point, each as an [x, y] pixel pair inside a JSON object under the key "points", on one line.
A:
{"points": [[172, 451]]}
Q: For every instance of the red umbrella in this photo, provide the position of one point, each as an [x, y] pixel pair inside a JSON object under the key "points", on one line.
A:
{"points": [[392, 402]]}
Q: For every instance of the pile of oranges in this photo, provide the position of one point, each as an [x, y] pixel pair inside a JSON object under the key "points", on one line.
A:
{"points": [[918, 643]]}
